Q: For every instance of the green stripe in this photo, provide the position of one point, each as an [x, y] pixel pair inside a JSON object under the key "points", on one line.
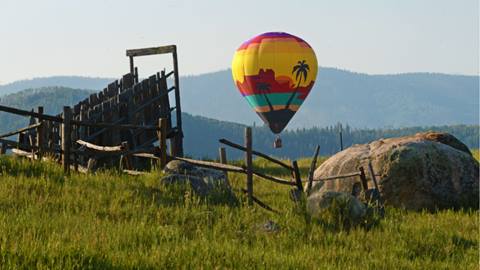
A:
{"points": [[275, 99]]}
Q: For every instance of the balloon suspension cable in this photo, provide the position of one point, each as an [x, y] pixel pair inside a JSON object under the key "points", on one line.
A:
{"points": [[278, 142]]}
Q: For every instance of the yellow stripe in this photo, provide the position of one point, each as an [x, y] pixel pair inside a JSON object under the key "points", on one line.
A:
{"points": [[276, 108], [278, 56]]}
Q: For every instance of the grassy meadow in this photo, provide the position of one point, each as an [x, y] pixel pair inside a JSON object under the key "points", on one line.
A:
{"points": [[113, 221]]}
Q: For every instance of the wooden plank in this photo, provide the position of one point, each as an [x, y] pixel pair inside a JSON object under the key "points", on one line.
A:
{"points": [[134, 173], [232, 168], [149, 51], [222, 154], [162, 138], [311, 171], [95, 147], [3, 149], [30, 127], [248, 162], [22, 153], [40, 135], [131, 63], [29, 113], [374, 179], [66, 138], [178, 141], [113, 125], [335, 177], [239, 147], [341, 139], [126, 158], [146, 155], [363, 180], [296, 174]]}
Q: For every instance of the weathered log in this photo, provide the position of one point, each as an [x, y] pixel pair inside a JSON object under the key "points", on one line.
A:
{"points": [[95, 147]]}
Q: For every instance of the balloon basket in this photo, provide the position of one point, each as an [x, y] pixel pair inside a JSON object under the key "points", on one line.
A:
{"points": [[277, 143]]}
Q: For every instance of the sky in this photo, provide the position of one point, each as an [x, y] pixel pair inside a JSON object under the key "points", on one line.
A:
{"points": [[89, 37]]}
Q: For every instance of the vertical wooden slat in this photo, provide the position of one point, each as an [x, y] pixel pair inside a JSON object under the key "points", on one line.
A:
{"points": [[3, 149], [341, 140], [296, 174], [372, 175], [222, 153], [131, 65], [311, 171], [248, 162], [162, 139], [126, 159], [40, 135], [66, 138], [179, 136], [363, 179]]}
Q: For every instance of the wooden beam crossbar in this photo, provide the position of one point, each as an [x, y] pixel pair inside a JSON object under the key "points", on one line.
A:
{"points": [[328, 178], [20, 130], [239, 147], [232, 168]]}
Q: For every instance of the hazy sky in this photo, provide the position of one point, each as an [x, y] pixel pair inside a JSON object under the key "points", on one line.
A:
{"points": [[62, 37]]}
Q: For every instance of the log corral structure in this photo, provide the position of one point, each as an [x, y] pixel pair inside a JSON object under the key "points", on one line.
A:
{"points": [[123, 117]]}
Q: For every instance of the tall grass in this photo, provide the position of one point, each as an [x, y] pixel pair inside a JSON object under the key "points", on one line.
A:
{"points": [[109, 220]]}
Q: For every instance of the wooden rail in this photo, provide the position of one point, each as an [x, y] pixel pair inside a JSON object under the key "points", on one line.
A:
{"points": [[239, 147], [232, 168], [20, 130]]}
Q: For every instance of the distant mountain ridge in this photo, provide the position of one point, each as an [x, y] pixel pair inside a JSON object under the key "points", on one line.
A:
{"points": [[202, 134], [360, 100], [75, 82]]}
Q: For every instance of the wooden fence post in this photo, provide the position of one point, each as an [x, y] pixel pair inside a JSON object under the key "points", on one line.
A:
{"points": [[222, 153], [296, 174], [66, 138], [374, 178], [311, 171], [3, 149], [363, 179], [40, 134], [125, 158], [341, 140], [162, 139], [248, 162]]}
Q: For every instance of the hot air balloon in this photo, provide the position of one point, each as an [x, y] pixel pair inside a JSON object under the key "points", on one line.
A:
{"points": [[275, 72]]}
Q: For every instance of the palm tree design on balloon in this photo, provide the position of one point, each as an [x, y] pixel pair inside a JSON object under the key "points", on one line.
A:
{"points": [[265, 88], [301, 70]]}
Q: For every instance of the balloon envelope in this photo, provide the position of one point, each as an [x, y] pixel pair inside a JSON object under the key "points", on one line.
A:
{"points": [[275, 72]]}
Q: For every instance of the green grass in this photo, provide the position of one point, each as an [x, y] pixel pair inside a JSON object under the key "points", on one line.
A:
{"points": [[113, 221]]}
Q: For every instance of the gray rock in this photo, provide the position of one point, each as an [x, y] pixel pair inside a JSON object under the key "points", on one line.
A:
{"points": [[339, 206], [270, 226], [204, 182], [425, 171]]}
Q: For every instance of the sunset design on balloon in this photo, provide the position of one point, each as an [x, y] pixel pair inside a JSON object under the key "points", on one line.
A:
{"points": [[275, 72]]}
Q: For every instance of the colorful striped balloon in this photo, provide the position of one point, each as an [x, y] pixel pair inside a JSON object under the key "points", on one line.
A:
{"points": [[275, 71]]}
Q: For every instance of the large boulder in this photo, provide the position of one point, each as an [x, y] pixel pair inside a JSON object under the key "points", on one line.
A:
{"points": [[204, 182], [428, 170]]}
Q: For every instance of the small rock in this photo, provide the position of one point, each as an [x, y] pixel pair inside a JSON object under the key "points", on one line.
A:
{"points": [[337, 206], [204, 182], [271, 226]]}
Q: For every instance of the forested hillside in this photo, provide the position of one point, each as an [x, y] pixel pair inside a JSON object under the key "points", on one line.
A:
{"points": [[202, 134], [360, 100]]}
